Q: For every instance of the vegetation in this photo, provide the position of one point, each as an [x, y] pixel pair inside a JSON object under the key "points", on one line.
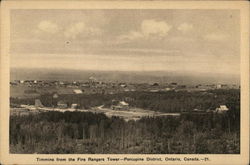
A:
{"points": [[83, 132], [80, 132]]}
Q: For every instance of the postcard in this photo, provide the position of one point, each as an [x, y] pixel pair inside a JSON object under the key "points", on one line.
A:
{"points": [[124, 82]]}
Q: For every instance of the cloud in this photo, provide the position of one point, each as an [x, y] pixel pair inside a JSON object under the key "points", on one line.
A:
{"points": [[73, 30], [48, 26], [216, 37], [157, 28], [185, 27], [132, 35], [149, 29], [80, 28]]}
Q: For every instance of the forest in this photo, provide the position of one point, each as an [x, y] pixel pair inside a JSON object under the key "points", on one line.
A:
{"points": [[89, 133]]}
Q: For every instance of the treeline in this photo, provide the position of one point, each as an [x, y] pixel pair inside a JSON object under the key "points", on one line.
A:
{"points": [[89, 133], [160, 101]]}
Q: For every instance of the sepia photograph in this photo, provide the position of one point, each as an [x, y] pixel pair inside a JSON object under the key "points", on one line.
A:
{"points": [[125, 81]]}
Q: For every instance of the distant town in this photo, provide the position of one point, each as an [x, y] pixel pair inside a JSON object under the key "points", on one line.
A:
{"points": [[95, 86]]}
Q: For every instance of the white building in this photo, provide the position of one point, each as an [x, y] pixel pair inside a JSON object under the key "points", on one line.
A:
{"points": [[122, 105], [221, 109], [77, 91], [61, 104], [74, 106], [218, 86]]}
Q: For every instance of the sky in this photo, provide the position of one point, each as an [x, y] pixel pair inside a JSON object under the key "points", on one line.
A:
{"points": [[202, 41]]}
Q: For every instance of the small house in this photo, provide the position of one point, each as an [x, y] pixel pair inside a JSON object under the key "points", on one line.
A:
{"points": [[168, 89], [55, 96], [74, 106], [221, 109], [77, 91], [218, 86], [121, 105], [123, 85], [61, 104]]}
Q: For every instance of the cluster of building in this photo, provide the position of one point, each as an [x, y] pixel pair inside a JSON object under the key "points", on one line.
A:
{"points": [[115, 107], [94, 86]]}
